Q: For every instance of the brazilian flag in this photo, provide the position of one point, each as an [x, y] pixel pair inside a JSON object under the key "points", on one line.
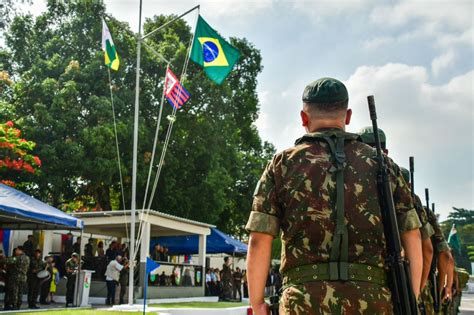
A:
{"points": [[212, 52]]}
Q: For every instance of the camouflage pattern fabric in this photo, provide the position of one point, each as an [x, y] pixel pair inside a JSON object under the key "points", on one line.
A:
{"points": [[427, 299], [297, 195], [439, 242], [33, 281], [226, 279], [16, 281], [426, 229]]}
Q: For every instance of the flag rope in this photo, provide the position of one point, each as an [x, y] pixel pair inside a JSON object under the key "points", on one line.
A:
{"points": [[168, 135], [155, 140], [117, 148]]}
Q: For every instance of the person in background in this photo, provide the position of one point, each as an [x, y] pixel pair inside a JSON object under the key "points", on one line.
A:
{"points": [[17, 267], [76, 248], [123, 280], [72, 266], [155, 255], [237, 284], [100, 249], [112, 275], [45, 284], [89, 248], [36, 265], [165, 256], [111, 252], [208, 282], [55, 278], [67, 245], [244, 281], [29, 246]]}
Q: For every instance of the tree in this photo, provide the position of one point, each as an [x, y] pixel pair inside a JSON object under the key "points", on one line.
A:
{"points": [[61, 94], [15, 156], [461, 216]]}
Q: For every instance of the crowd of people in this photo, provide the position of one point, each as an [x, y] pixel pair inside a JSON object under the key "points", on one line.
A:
{"points": [[27, 271]]}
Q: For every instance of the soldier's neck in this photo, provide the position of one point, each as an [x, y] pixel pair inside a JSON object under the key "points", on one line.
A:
{"points": [[316, 125]]}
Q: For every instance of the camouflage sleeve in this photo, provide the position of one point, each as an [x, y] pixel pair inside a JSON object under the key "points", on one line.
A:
{"points": [[266, 213], [439, 241], [406, 214], [426, 229]]}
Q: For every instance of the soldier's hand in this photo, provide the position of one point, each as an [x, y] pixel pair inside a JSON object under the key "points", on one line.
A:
{"points": [[261, 309], [446, 272]]}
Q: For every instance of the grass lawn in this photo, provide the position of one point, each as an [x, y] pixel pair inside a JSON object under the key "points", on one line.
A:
{"points": [[200, 305], [78, 312], [162, 305]]}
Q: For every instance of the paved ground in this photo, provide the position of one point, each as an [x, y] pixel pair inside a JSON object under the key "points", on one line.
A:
{"points": [[467, 304]]}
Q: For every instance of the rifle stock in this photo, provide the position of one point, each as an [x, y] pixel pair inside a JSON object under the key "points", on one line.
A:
{"points": [[404, 302]]}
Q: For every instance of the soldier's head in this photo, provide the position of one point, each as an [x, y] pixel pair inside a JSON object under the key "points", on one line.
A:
{"points": [[325, 105], [75, 257], [366, 135], [19, 251], [37, 253], [31, 238]]}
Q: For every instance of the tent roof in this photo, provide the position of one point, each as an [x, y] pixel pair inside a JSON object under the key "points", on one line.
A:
{"points": [[216, 243], [20, 211]]}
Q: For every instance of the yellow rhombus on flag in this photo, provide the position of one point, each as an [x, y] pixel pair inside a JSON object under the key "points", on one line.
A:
{"points": [[110, 53]]}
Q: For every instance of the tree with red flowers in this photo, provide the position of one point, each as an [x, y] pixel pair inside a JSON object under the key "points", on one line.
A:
{"points": [[15, 155]]}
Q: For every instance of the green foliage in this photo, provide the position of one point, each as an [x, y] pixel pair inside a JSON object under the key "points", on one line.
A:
{"points": [[461, 216], [61, 95]]}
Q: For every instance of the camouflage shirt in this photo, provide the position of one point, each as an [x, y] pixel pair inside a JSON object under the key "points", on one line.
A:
{"points": [[18, 267], [439, 242], [296, 196], [71, 265], [426, 229]]}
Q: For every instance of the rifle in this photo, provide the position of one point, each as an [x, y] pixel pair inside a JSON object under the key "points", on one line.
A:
{"points": [[421, 306], [434, 264], [399, 272]]}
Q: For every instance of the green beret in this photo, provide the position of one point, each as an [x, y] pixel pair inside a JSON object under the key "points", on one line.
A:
{"points": [[325, 90], [406, 174], [367, 136]]}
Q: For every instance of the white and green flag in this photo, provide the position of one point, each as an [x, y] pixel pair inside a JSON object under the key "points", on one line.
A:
{"points": [[110, 53]]}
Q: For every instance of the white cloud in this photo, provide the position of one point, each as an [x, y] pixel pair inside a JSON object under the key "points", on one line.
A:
{"points": [[442, 62], [432, 123]]}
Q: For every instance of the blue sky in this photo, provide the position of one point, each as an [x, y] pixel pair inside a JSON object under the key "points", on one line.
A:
{"points": [[416, 57]]}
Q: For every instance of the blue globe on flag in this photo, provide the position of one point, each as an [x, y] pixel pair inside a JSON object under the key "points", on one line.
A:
{"points": [[210, 51]]}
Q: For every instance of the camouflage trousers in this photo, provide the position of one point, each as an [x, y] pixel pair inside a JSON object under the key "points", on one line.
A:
{"points": [[427, 299], [330, 297], [15, 293]]}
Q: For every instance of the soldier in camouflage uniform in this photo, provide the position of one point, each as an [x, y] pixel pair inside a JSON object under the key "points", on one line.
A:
{"points": [[226, 279], [367, 136], [36, 265], [445, 265], [322, 196], [72, 266], [462, 277], [16, 282]]}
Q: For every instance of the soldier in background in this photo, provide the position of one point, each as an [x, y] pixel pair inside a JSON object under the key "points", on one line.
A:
{"points": [[226, 279], [123, 280], [16, 278], [36, 265], [72, 267], [29, 246], [237, 285]]}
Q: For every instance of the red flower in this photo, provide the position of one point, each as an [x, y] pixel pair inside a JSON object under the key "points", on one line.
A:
{"points": [[27, 167], [37, 160], [9, 123], [8, 183]]}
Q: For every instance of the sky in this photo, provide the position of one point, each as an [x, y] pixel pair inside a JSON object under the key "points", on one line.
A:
{"points": [[415, 56]]}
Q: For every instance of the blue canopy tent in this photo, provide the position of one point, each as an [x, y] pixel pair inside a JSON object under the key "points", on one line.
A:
{"points": [[19, 211], [217, 243]]}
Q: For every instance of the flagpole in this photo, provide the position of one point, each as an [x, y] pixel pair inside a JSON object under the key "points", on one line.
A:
{"points": [[171, 21], [134, 163]]}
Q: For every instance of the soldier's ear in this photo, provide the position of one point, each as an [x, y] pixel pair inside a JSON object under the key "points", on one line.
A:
{"points": [[348, 116], [304, 119]]}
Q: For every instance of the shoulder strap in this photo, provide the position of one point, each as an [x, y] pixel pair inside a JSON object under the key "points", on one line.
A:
{"points": [[338, 259]]}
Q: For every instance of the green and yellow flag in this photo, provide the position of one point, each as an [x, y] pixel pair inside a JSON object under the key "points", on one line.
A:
{"points": [[110, 53], [212, 52]]}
